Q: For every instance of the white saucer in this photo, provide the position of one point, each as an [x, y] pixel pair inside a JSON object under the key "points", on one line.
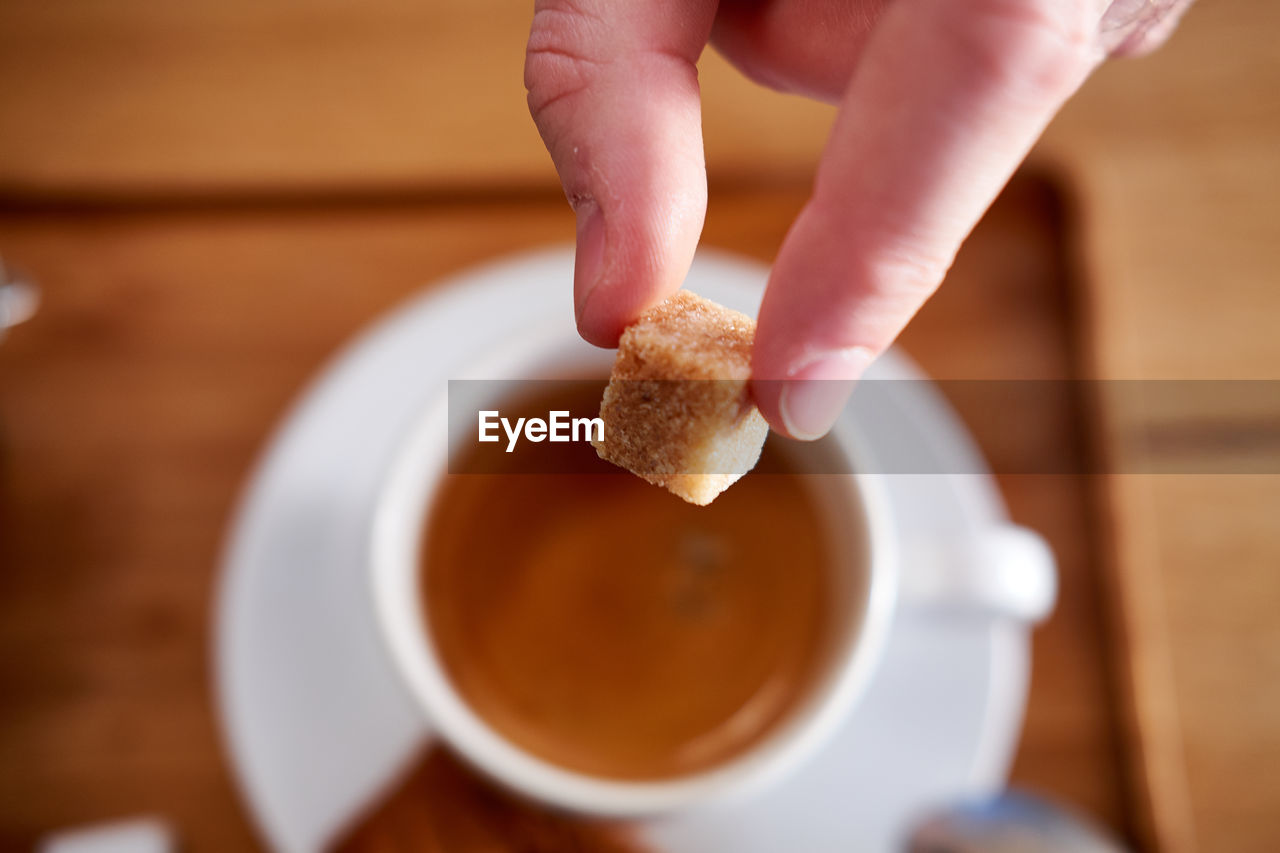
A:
{"points": [[318, 723]]}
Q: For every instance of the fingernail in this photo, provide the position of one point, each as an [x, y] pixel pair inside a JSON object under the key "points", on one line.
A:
{"points": [[815, 393], [589, 256]]}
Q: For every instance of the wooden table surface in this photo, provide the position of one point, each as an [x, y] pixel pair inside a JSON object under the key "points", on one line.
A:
{"points": [[215, 195]]}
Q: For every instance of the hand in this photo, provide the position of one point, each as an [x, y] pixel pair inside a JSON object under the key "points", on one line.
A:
{"points": [[939, 102]]}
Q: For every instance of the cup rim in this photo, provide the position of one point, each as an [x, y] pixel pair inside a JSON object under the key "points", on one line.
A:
{"points": [[398, 526]]}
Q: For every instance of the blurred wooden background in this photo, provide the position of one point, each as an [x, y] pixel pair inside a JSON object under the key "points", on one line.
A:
{"points": [[258, 120]]}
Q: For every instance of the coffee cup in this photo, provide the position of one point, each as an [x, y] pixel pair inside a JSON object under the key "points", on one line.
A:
{"points": [[1005, 572]]}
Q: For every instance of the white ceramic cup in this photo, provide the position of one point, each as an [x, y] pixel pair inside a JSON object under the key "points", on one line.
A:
{"points": [[1008, 571]]}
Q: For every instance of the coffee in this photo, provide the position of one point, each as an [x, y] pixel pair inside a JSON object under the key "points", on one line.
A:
{"points": [[610, 628]]}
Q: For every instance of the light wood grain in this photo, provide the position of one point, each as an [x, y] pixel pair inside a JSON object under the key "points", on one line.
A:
{"points": [[129, 97], [1174, 165]]}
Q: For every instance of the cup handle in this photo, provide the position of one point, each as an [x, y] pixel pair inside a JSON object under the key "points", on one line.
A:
{"points": [[1005, 571]]}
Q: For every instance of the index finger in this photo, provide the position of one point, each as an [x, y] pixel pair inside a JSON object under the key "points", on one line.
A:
{"points": [[947, 100]]}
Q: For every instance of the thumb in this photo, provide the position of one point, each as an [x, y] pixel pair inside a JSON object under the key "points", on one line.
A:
{"points": [[613, 89]]}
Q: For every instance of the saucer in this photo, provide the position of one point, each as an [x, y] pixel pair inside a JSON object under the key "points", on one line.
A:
{"points": [[318, 723]]}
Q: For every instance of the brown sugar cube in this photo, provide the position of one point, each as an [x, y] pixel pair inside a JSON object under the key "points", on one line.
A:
{"points": [[677, 410]]}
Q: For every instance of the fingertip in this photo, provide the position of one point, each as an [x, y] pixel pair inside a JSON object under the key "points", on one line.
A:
{"points": [[610, 288], [614, 303], [588, 268], [628, 260], [764, 393], [810, 399], [596, 328]]}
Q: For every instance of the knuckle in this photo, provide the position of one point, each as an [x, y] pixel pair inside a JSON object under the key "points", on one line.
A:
{"points": [[559, 58], [894, 256], [910, 274], [887, 273], [1037, 49]]}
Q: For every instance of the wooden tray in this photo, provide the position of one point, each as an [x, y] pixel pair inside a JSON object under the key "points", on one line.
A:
{"points": [[172, 339]]}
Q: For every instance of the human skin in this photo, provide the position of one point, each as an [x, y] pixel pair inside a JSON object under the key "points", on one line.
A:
{"points": [[939, 101]]}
